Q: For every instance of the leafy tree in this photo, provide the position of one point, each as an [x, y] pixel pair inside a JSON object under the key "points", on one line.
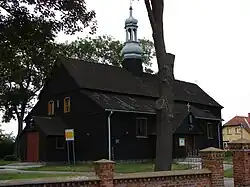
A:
{"points": [[6, 143], [28, 30], [1, 135], [104, 49], [165, 75]]}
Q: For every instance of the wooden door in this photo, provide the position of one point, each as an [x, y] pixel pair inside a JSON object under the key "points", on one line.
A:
{"points": [[190, 144], [32, 147]]}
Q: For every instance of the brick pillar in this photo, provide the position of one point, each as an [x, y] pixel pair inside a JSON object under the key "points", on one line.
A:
{"points": [[105, 170], [241, 162], [212, 159]]}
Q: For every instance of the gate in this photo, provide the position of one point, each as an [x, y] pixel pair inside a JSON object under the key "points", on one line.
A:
{"points": [[193, 159]]}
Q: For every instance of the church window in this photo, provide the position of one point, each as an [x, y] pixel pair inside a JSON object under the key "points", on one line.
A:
{"points": [[210, 134], [66, 104], [51, 109], [60, 143], [141, 128]]}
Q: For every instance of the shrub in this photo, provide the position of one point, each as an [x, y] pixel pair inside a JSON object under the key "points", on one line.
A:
{"points": [[6, 144], [6, 148], [10, 158]]}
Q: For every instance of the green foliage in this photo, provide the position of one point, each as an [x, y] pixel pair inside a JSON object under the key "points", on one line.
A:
{"points": [[28, 30], [104, 49], [6, 144]]}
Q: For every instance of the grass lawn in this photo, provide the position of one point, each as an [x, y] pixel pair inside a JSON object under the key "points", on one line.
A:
{"points": [[119, 168], [11, 176], [2, 162], [228, 160], [228, 173]]}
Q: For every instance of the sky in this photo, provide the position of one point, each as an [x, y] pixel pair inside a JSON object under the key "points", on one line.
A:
{"points": [[210, 40]]}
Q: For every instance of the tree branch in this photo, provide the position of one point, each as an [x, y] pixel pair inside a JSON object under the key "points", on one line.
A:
{"points": [[6, 9], [150, 15], [16, 111], [157, 9]]}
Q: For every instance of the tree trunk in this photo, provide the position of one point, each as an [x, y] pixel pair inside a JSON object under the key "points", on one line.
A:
{"points": [[164, 115], [164, 105], [17, 150]]}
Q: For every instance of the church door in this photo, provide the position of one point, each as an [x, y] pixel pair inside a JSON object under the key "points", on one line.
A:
{"points": [[32, 147], [190, 147]]}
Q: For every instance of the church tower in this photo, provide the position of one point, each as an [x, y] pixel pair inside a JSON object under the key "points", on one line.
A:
{"points": [[132, 52]]}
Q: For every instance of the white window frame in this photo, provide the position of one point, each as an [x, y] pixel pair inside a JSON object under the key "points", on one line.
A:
{"points": [[146, 127]]}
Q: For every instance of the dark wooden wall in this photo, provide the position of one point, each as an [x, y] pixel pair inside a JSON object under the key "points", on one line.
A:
{"points": [[52, 154], [124, 141]]}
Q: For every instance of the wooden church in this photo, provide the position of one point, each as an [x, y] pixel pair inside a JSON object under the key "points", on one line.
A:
{"points": [[112, 111]]}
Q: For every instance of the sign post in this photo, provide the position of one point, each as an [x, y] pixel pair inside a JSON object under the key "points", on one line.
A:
{"points": [[69, 137]]}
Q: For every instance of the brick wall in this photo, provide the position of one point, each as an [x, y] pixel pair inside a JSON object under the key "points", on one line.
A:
{"points": [[54, 182], [241, 162], [188, 178], [209, 176], [212, 159]]}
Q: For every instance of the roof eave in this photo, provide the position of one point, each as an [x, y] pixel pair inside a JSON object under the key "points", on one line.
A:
{"points": [[129, 111], [214, 119]]}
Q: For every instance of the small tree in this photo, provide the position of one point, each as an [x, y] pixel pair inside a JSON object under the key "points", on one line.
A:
{"points": [[164, 104]]}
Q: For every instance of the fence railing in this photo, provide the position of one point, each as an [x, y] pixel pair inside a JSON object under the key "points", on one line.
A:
{"points": [[194, 160]]}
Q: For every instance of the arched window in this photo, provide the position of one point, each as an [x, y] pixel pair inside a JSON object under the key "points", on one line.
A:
{"points": [[51, 109], [66, 104]]}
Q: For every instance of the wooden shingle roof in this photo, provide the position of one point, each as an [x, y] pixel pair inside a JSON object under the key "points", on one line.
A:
{"points": [[103, 77]]}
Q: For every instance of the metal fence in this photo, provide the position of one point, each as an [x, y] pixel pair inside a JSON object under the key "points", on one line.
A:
{"points": [[193, 160]]}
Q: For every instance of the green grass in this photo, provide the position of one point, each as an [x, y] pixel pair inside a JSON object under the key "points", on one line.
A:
{"points": [[228, 160], [2, 162], [11, 176], [228, 173], [119, 168]]}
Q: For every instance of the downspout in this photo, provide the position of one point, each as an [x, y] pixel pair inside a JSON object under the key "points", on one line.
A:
{"points": [[109, 134], [219, 135]]}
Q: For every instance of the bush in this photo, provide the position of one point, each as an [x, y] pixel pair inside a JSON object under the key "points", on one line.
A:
{"points": [[6, 148], [7, 144], [10, 158]]}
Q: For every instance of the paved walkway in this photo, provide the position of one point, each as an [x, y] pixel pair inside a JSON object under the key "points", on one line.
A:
{"points": [[21, 165], [228, 182]]}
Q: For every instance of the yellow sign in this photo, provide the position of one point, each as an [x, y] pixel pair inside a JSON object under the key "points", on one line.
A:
{"points": [[69, 134]]}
